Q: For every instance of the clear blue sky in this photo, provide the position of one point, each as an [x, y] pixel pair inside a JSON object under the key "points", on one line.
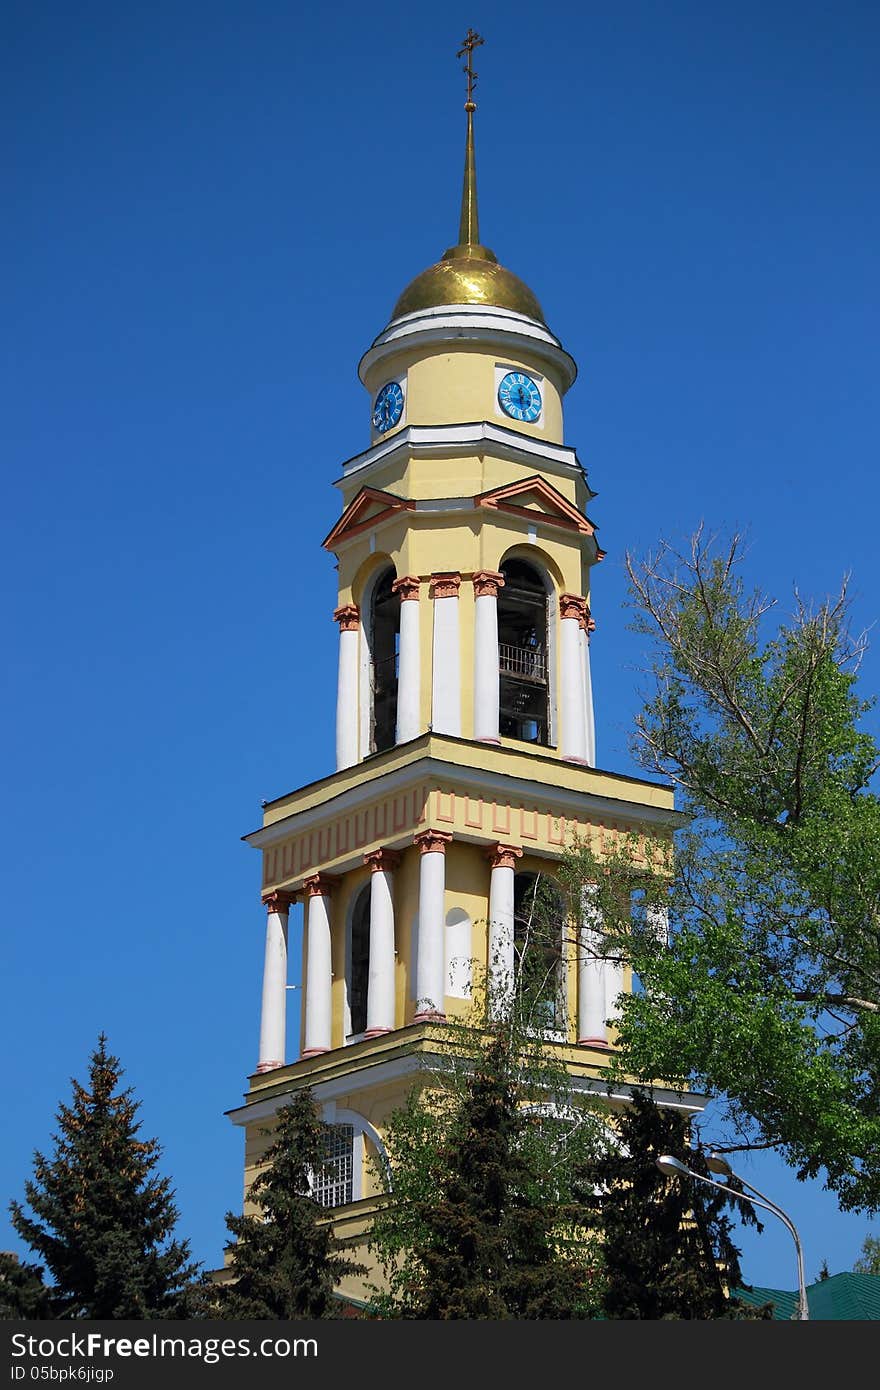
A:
{"points": [[209, 211]]}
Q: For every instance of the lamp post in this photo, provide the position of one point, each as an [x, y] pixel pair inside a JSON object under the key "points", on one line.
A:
{"points": [[667, 1164]]}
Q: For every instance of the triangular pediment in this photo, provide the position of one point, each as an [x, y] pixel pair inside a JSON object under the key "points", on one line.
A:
{"points": [[364, 511], [535, 498]]}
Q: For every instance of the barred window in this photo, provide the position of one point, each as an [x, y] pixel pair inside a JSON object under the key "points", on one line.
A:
{"points": [[333, 1183]]}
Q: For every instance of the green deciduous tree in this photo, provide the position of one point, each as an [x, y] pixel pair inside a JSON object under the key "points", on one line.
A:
{"points": [[285, 1259], [100, 1218], [768, 992], [869, 1260]]}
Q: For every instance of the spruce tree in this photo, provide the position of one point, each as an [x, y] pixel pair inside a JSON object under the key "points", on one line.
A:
{"points": [[667, 1247], [23, 1294], [484, 1238], [285, 1260], [100, 1218]]}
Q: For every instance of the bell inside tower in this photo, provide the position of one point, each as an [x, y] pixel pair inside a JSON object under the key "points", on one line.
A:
{"points": [[522, 654]]}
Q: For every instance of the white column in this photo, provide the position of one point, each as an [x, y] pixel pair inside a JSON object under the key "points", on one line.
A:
{"points": [[573, 740], [380, 982], [587, 626], [446, 672], [319, 967], [409, 718], [591, 973], [486, 674], [431, 978], [348, 618], [501, 927], [273, 1016]]}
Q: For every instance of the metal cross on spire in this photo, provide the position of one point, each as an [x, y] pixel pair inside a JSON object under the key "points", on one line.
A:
{"points": [[471, 41]]}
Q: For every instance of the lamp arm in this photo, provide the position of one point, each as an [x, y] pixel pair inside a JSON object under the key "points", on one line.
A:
{"points": [[761, 1201]]}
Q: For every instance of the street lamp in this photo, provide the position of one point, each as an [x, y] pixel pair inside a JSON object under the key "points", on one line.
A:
{"points": [[667, 1164]]}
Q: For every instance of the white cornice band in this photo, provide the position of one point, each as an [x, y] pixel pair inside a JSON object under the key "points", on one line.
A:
{"points": [[474, 323]]}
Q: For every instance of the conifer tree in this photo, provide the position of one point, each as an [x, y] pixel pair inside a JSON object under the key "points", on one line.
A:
{"points": [[477, 1221], [23, 1294], [100, 1218], [285, 1260], [667, 1247]]}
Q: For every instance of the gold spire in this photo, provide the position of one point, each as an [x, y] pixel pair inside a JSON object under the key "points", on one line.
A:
{"points": [[469, 225], [468, 273]]}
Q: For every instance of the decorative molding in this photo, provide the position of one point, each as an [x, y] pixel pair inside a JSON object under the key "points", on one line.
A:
{"points": [[407, 586], [445, 585], [319, 885], [555, 510], [432, 841], [382, 860], [279, 901], [365, 511], [503, 856], [487, 583], [572, 606], [348, 617]]}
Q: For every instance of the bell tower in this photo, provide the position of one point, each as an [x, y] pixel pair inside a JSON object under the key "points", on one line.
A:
{"points": [[465, 740]]}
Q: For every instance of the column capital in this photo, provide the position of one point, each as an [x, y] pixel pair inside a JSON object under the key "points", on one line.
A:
{"points": [[348, 617], [279, 901], [318, 886], [432, 841], [503, 856], [487, 583], [407, 586], [445, 585], [572, 606], [382, 860]]}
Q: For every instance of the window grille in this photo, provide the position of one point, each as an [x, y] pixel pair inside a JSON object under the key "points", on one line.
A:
{"points": [[333, 1183]]}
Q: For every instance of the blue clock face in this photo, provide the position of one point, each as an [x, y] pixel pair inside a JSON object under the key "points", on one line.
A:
{"points": [[388, 406], [519, 397]]}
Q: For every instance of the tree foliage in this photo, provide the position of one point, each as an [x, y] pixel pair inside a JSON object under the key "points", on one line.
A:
{"points": [[100, 1218], [23, 1293], [666, 1241], [765, 991], [869, 1259], [480, 1222], [285, 1260]]}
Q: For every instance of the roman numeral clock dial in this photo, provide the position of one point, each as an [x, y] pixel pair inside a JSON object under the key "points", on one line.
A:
{"points": [[519, 397]]}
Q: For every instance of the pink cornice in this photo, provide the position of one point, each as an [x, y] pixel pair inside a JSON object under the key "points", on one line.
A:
{"points": [[487, 583], [445, 585], [503, 856], [408, 587], [348, 617], [382, 860], [432, 841]]}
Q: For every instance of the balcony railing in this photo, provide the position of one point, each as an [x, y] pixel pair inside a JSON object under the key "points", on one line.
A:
{"points": [[529, 663]]}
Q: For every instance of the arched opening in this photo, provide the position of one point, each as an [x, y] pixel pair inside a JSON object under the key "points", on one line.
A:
{"points": [[384, 661], [359, 963], [523, 654], [538, 927]]}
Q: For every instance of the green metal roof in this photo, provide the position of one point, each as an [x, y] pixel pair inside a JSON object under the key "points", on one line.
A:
{"points": [[840, 1298]]}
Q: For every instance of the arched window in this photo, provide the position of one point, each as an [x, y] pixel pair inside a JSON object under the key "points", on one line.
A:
{"points": [[384, 659], [523, 654], [359, 962], [538, 925]]}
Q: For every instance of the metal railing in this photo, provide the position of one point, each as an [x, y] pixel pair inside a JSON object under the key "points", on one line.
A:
{"points": [[530, 663]]}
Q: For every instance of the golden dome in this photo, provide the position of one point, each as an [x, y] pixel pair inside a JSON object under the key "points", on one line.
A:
{"points": [[468, 274]]}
